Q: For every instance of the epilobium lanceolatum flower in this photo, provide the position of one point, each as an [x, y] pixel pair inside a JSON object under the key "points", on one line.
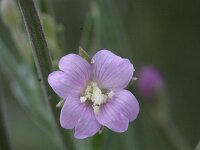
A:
{"points": [[150, 81], [94, 93]]}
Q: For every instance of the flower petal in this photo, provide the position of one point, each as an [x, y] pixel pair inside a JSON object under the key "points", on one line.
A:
{"points": [[76, 66], [87, 125], [126, 103], [71, 112], [111, 71], [110, 117], [65, 84]]}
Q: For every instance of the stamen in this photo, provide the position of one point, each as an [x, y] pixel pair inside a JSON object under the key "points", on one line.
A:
{"points": [[83, 99], [94, 94]]}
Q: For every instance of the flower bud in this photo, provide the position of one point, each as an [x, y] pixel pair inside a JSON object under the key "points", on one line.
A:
{"points": [[10, 13], [51, 31], [49, 26], [150, 81]]}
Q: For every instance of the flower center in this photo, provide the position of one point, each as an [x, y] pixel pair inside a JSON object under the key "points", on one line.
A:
{"points": [[95, 95]]}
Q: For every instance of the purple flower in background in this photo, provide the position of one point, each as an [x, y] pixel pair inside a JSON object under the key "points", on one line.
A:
{"points": [[94, 93], [150, 81]]}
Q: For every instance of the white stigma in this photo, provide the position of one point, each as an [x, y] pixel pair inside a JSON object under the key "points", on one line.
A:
{"points": [[94, 94], [110, 94]]}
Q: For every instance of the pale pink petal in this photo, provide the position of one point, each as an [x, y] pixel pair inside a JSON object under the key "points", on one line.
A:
{"points": [[111, 71], [71, 112], [110, 117], [77, 67], [87, 125], [65, 84], [126, 103]]}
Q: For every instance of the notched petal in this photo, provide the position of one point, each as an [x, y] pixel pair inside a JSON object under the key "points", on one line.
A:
{"points": [[71, 112], [87, 125], [126, 103], [76, 66], [110, 117], [64, 84], [111, 71]]}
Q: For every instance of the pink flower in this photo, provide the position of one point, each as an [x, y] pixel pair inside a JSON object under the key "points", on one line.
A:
{"points": [[94, 93], [150, 81]]}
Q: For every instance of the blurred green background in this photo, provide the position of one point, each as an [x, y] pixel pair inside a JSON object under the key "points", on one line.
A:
{"points": [[159, 32]]}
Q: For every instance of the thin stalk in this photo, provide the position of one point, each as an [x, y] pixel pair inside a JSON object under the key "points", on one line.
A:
{"points": [[4, 142], [198, 146], [169, 130], [42, 60], [166, 127], [161, 116]]}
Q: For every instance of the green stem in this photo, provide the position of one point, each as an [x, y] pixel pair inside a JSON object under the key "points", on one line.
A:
{"points": [[169, 130], [4, 142], [42, 59], [161, 116], [198, 146], [97, 141], [166, 126]]}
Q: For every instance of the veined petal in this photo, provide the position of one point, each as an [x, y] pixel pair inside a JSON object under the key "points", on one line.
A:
{"points": [[65, 84], [87, 125], [110, 117], [76, 66], [126, 103], [111, 71], [71, 112]]}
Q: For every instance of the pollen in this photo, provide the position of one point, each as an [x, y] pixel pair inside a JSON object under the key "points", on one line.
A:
{"points": [[95, 95]]}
